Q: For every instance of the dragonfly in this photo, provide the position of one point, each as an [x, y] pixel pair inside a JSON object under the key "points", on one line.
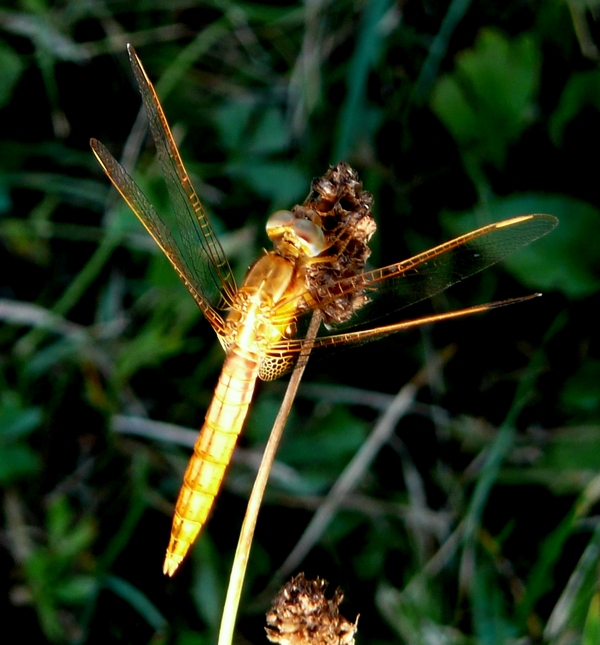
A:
{"points": [[317, 264]]}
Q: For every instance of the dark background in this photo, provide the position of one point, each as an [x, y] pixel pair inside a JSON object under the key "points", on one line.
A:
{"points": [[481, 507]]}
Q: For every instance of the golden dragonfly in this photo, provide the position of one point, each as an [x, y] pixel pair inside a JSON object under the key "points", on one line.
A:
{"points": [[317, 263]]}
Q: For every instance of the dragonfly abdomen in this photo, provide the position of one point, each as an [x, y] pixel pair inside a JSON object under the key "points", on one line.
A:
{"points": [[212, 452]]}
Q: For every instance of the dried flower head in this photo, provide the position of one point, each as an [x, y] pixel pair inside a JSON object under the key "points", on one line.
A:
{"points": [[342, 209], [301, 615]]}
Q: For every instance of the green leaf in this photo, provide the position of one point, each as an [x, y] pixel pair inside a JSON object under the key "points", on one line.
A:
{"points": [[581, 91], [17, 462], [581, 393], [247, 126], [488, 100], [76, 590], [15, 420], [339, 435], [232, 120], [17, 459], [67, 537], [281, 182], [490, 621], [59, 351], [270, 134], [591, 632], [148, 349], [11, 69], [575, 448]]}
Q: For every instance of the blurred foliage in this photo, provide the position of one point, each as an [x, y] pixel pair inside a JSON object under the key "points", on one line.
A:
{"points": [[17, 459], [487, 101], [476, 523]]}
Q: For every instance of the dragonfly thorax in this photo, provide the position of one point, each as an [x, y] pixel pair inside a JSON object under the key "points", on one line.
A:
{"points": [[270, 286]]}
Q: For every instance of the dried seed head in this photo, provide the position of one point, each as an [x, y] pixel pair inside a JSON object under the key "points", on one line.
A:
{"points": [[342, 209], [301, 615]]}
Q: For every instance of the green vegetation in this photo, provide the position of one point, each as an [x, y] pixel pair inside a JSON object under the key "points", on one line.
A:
{"points": [[476, 522]]}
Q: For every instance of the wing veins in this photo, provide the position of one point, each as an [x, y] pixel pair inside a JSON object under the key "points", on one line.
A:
{"points": [[146, 213], [294, 345], [431, 272], [182, 193]]}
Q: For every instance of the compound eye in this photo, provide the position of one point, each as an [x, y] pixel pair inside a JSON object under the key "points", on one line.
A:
{"points": [[310, 237], [279, 222], [300, 233]]}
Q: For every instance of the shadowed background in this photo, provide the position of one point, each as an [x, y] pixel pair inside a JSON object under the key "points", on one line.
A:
{"points": [[480, 506]]}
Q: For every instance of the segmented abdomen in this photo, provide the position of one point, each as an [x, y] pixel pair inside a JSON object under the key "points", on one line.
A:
{"points": [[212, 453]]}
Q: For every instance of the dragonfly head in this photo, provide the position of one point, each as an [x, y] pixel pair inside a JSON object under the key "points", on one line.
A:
{"points": [[294, 236]]}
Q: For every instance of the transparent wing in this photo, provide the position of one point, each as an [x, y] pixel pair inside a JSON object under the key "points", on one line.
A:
{"points": [[139, 204], [205, 260], [287, 349], [399, 285]]}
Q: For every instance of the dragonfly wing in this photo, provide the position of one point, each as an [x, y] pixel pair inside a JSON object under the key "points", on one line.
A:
{"points": [[139, 204], [399, 285], [396, 286], [284, 352], [196, 238]]}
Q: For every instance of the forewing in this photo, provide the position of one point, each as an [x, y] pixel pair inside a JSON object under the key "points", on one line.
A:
{"points": [[397, 286], [147, 214], [197, 242]]}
